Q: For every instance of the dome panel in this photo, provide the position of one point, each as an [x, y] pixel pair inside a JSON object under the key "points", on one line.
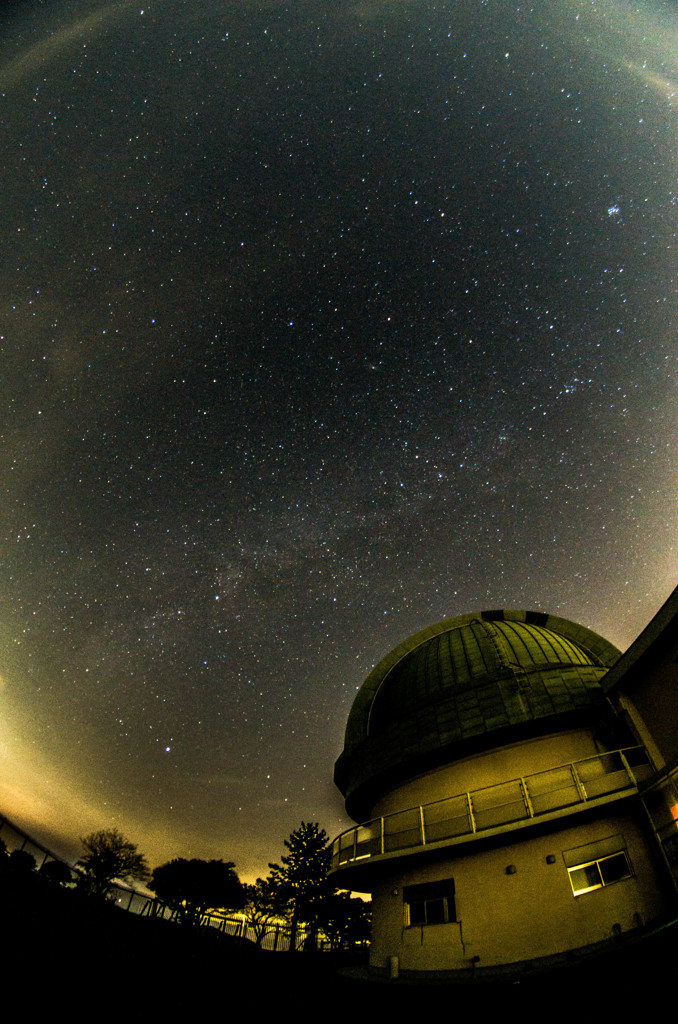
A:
{"points": [[537, 645], [464, 655]]}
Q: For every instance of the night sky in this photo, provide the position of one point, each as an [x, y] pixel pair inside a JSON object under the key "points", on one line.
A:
{"points": [[321, 322]]}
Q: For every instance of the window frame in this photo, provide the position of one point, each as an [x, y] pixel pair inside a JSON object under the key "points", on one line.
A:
{"points": [[424, 897], [596, 863]]}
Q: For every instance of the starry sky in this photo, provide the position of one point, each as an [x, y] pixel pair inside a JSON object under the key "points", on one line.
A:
{"points": [[321, 322]]}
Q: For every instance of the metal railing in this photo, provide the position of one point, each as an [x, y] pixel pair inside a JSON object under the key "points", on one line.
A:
{"points": [[16, 839], [466, 814]]}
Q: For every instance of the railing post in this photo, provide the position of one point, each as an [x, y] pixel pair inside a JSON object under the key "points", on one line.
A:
{"points": [[469, 806], [578, 783], [422, 829], [526, 797], [628, 768], [355, 842], [381, 844]]}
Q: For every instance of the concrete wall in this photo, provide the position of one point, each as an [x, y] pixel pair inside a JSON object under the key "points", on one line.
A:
{"points": [[652, 707], [532, 912], [489, 768]]}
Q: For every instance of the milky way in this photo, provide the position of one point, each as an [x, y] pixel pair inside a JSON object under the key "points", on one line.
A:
{"points": [[321, 323]]}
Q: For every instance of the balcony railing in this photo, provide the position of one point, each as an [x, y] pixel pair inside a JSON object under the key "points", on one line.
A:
{"points": [[467, 814]]}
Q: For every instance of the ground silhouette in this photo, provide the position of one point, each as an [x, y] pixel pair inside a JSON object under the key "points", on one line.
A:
{"points": [[73, 943]]}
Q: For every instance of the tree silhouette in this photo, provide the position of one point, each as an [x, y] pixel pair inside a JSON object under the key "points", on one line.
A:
{"points": [[194, 887], [22, 862], [345, 919], [300, 882], [56, 872], [263, 908], [109, 856]]}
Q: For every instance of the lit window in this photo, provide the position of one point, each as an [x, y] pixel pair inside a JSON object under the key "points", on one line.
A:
{"points": [[598, 873], [430, 903]]}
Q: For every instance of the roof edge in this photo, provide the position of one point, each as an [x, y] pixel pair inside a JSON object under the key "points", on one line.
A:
{"points": [[656, 633]]}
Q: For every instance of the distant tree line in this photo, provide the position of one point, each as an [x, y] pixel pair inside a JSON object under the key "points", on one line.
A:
{"points": [[296, 893]]}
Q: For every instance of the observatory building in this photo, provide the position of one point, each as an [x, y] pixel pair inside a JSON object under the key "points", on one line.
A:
{"points": [[511, 773]]}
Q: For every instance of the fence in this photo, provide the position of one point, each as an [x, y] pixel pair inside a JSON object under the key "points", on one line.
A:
{"points": [[276, 934], [16, 839]]}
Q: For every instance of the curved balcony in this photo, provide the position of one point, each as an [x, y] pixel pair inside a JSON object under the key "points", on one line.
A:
{"points": [[456, 819]]}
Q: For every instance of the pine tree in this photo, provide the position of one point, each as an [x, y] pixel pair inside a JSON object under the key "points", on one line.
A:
{"points": [[300, 882]]}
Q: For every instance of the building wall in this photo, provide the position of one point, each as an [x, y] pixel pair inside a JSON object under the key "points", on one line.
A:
{"points": [[491, 767], [652, 706], [506, 917], [644, 683]]}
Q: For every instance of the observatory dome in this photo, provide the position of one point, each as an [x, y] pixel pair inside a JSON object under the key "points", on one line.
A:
{"points": [[463, 685]]}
